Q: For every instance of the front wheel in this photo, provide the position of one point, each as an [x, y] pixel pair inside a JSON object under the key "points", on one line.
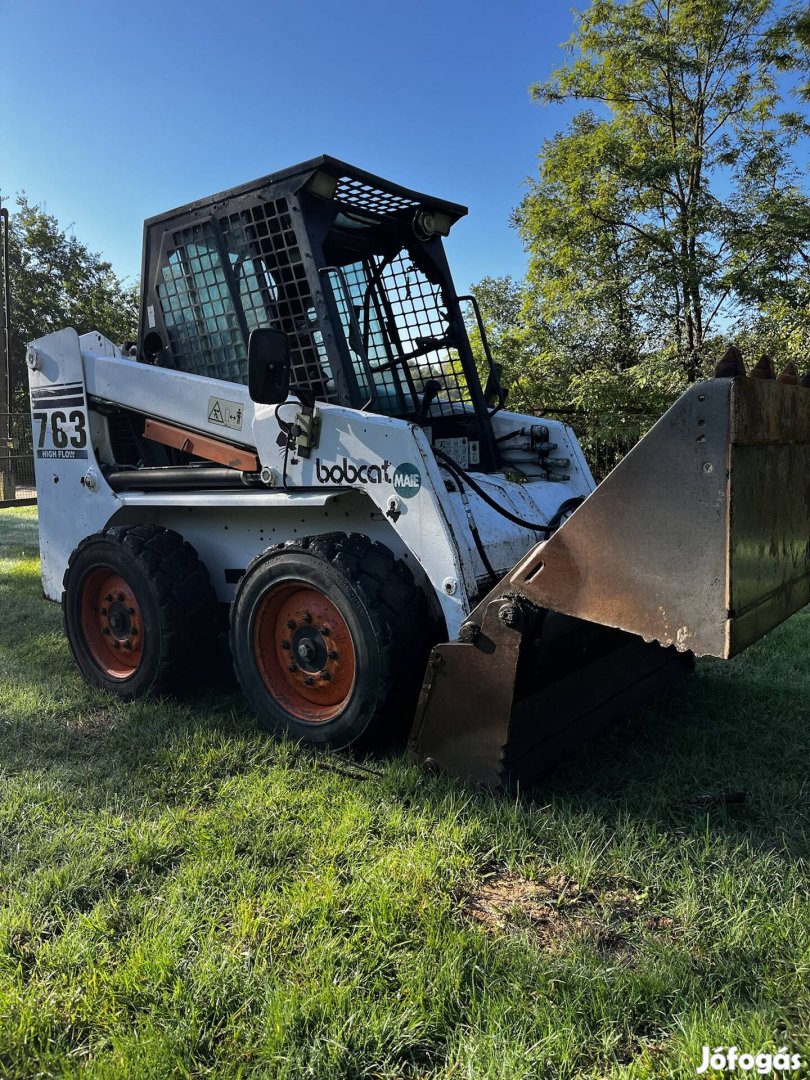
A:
{"points": [[328, 635]]}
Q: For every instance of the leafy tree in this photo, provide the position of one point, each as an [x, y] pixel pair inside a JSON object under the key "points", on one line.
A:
{"points": [[671, 208], [518, 340], [56, 281]]}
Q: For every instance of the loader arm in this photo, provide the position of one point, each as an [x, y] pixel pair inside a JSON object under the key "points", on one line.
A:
{"points": [[698, 542]]}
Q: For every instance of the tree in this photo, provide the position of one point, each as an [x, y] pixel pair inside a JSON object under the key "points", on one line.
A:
{"points": [[672, 206], [56, 281], [518, 340]]}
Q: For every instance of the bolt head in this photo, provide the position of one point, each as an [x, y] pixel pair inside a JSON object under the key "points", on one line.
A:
{"points": [[116, 644], [469, 632], [325, 676], [291, 624], [109, 598], [509, 614], [293, 667], [106, 631], [332, 654], [285, 644], [103, 611], [309, 681], [324, 631], [306, 649], [121, 598], [130, 611], [307, 617]]}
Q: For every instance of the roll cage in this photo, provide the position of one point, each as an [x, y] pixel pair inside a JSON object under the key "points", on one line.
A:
{"points": [[350, 266]]}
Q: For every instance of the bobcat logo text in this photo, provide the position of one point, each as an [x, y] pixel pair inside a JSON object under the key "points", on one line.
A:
{"points": [[405, 478]]}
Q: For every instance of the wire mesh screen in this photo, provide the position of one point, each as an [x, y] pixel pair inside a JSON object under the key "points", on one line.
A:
{"points": [[273, 288], [198, 309], [393, 386], [17, 484], [403, 325], [260, 277], [364, 196]]}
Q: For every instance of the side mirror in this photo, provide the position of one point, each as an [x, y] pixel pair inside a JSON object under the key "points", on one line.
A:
{"points": [[268, 366]]}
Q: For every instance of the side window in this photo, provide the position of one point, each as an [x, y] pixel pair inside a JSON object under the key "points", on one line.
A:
{"points": [[201, 322], [274, 290], [258, 291]]}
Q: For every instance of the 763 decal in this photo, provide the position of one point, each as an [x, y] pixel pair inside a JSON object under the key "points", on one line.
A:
{"points": [[60, 422]]}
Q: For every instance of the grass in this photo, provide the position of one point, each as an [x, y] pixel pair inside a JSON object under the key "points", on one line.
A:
{"points": [[181, 896]]}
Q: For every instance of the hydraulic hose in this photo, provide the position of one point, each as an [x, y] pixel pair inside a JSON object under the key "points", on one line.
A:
{"points": [[465, 478]]}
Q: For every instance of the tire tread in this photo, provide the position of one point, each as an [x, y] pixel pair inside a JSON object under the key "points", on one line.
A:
{"points": [[395, 603], [186, 599]]}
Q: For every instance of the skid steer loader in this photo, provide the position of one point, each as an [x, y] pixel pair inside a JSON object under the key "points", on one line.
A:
{"points": [[301, 437]]}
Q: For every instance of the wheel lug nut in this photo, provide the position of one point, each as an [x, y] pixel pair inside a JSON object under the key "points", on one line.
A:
{"points": [[307, 618], [324, 631], [106, 630], [121, 598], [285, 644], [133, 631], [293, 667], [332, 655], [103, 611], [109, 598], [116, 644], [325, 676], [127, 644], [291, 624], [130, 611], [309, 680]]}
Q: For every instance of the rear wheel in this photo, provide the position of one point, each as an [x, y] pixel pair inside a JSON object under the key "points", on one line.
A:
{"points": [[139, 610], [329, 636]]}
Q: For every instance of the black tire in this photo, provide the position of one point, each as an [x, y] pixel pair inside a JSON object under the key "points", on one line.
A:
{"points": [[163, 616], [382, 620]]}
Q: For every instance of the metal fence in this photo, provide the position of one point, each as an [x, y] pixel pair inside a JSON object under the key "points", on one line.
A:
{"points": [[17, 485], [605, 438]]}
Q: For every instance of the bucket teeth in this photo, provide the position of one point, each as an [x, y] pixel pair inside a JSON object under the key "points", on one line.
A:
{"points": [[789, 375], [763, 369], [731, 365]]}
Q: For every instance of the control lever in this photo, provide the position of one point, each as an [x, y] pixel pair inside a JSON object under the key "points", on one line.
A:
{"points": [[429, 393]]}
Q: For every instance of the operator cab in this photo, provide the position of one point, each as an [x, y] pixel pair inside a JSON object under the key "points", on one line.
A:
{"points": [[352, 269]]}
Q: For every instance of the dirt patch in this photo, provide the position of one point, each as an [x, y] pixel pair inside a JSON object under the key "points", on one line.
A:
{"points": [[555, 908], [507, 902], [94, 724]]}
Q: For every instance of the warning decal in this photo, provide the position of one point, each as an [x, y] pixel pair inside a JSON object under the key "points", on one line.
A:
{"points": [[225, 413]]}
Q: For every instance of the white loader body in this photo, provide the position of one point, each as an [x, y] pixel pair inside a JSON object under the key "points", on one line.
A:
{"points": [[353, 480]]}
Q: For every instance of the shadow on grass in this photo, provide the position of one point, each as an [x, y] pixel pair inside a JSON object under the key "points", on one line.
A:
{"points": [[739, 728], [720, 756]]}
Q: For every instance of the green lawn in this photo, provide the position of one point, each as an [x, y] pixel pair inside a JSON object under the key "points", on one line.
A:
{"points": [[181, 896]]}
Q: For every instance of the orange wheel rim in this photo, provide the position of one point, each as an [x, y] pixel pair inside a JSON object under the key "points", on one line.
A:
{"points": [[304, 651], [111, 623]]}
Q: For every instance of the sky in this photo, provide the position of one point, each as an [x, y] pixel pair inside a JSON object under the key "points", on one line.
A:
{"points": [[113, 111]]}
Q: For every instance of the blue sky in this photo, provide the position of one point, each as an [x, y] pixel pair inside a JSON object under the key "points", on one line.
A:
{"points": [[114, 111]]}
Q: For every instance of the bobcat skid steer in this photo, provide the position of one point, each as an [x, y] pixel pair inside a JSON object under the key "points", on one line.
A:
{"points": [[301, 437]]}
